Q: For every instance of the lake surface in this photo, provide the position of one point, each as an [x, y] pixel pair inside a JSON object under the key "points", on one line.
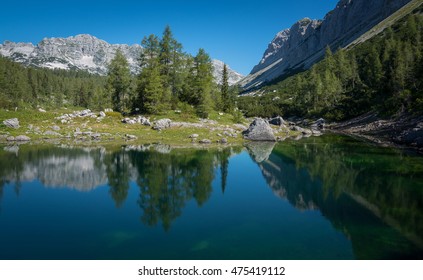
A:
{"points": [[330, 197]]}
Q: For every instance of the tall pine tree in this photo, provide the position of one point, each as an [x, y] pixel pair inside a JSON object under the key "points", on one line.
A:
{"points": [[227, 101], [203, 81], [119, 82], [170, 58], [150, 83]]}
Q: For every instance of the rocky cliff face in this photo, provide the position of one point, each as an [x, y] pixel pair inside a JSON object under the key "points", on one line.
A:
{"points": [[300, 46], [83, 52], [233, 76]]}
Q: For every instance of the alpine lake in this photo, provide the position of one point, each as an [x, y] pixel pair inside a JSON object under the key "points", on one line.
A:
{"points": [[329, 197]]}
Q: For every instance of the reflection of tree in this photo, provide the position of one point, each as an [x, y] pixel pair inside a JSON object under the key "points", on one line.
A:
{"points": [[161, 197], [359, 188], [224, 163], [167, 181], [118, 175], [167, 178]]}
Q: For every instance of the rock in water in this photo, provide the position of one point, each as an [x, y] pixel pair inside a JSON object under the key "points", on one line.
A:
{"points": [[12, 123], [162, 124], [259, 130]]}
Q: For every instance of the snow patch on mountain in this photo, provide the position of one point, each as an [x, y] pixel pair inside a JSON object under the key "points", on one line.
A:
{"points": [[85, 52]]}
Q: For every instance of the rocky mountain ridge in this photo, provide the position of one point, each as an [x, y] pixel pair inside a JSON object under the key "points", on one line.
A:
{"points": [[84, 52], [299, 47]]}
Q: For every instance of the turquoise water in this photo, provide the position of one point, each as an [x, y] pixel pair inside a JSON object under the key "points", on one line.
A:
{"points": [[330, 197]]}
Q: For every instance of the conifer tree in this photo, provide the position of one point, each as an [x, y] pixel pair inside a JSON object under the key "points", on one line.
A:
{"points": [[119, 81], [227, 102], [150, 84], [170, 58], [203, 83]]}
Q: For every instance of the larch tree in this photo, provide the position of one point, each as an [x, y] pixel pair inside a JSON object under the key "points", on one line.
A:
{"points": [[119, 82], [171, 61], [227, 101], [203, 81], [150, 84]]}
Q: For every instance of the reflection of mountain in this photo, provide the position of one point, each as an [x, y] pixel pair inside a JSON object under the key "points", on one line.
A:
{"points": [[167, 178], [373, 200], [79, 169]]}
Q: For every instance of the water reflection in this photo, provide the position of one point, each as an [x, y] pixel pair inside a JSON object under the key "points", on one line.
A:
{"points": [[372, 195], [166, 178], [368, 193]]}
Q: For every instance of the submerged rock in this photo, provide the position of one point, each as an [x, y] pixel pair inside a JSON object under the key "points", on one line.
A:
{"points": [[259, 130]]}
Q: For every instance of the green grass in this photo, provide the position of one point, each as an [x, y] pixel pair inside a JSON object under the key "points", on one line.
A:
{"points": [[111, 124]]}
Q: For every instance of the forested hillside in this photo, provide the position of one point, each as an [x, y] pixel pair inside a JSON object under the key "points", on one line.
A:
{"points": [[31, 87], [384, 74]]}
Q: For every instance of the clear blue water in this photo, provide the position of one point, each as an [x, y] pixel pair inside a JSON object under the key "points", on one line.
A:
{"points": [[330, 197]]}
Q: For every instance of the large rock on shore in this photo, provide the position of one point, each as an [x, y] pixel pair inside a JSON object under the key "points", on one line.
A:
{"points": [[259, 130], [279, 121], [162, 124], [12, 123], [319, 124]]}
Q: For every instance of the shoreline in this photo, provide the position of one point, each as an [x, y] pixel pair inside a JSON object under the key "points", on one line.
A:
{"points": [[403, 132]]}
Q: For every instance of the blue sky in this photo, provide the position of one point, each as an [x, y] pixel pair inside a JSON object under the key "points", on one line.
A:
{"points": [[236, 32]]}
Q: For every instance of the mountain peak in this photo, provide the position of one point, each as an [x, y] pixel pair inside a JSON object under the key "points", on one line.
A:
{"points": [[233, 76], [84, 52], [300, 46]]}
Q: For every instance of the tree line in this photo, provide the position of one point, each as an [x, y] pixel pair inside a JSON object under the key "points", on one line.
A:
{"points": [[384, 74], [169, 79], [29, 87]]}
